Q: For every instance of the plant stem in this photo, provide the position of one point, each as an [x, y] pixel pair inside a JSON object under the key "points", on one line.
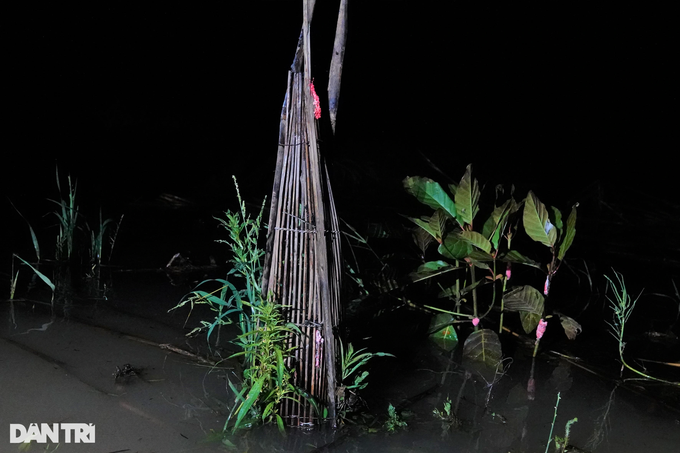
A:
{"points": [[552, 426], [457, 288], [474, 293], [505, 282], [536, 347]]}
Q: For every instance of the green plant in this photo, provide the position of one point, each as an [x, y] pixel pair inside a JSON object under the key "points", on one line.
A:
{"points": [[67, 216], [394, 420], [452, 227], [246, 266], [263, 332], [42, 276], [353, 378], [561, 443], [552, 425], [447, 416], [266, 382], [98, 238], [352, 361], [623, 305]]}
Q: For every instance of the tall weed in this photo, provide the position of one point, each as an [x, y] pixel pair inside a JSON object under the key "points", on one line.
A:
{"points": [[264, 334]]}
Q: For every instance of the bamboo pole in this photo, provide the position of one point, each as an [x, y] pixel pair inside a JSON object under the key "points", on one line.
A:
{"points": [[335, 74]]}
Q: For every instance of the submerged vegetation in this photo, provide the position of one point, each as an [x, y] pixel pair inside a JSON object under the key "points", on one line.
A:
{"points": [[71, 249]]}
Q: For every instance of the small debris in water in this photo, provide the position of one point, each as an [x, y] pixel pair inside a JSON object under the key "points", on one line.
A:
{"points": [[124, 373]]}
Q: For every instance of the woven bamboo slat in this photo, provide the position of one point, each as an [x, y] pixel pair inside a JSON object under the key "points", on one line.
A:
{"points": [[302, 263]]}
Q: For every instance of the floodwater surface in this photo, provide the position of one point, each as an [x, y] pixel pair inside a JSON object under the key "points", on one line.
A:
{"points": [[107, 351], [62, 367]]}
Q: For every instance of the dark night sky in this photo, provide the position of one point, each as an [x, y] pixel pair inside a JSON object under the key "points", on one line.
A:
{"points": [[144, 96]]}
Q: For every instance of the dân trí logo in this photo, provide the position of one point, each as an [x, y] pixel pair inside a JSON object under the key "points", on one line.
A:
{"points": [[55, 433]]}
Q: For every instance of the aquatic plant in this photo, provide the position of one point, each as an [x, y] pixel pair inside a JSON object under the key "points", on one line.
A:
{"points": [[67, 215], [447, 416], [69, 219], [394, 420], [42, 276], [246, 270], [451, 226], [351, 363], [561, 443], [15, 277], [266, 382], [552, 425], [353, 376], [264, 334], [98, 238], [622, 305]]}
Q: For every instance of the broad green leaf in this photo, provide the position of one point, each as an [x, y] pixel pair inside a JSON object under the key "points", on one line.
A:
{"points": [[431, 269], [446, 337], [537, 222], [524, 298], [467, 198], [495, 225], [513, 256], [570, 326], [422, 239], [569, 233], [557, 217], [529, 320], [477, 240], [442, 331], [424, 223], [479, 259], [453, 189], [440, 321], [430, 193], [434, 224], [483, 346], [454, 247]]}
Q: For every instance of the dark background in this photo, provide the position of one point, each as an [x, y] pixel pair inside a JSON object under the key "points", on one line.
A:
{"points": [[141, 98]]}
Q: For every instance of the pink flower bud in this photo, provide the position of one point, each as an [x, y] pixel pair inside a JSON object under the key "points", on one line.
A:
{"points": [[475, 321], [546, 287], [508, 272], [540, 330]]}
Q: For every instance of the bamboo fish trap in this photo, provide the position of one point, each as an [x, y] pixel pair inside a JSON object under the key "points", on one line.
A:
{"points": [[302, 263]]}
